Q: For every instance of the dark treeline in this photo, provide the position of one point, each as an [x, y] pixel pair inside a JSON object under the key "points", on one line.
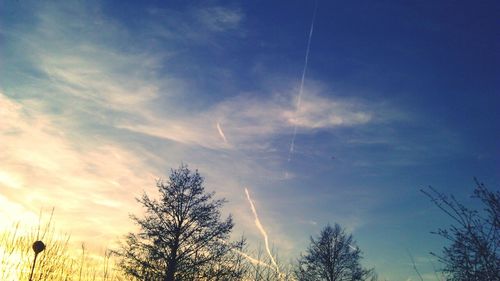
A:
{"points": [[183, 236]]}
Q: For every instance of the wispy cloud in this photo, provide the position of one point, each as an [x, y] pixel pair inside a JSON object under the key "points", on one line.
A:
{"points": [[248, 119], [91, 118], [89, 77], [219, 18], [91, 181], [193, 26]]}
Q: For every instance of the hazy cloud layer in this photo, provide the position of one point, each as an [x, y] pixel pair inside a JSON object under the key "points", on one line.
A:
{"points": [[44, 166], [90, 117]]}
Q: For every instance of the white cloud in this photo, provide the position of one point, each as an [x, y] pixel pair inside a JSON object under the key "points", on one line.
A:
{"points": [[252, 119], [321, 112]]}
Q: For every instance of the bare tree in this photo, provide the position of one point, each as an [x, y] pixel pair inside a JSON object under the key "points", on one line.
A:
{"points": [[182, 235], [332, 256], [474, 250]]}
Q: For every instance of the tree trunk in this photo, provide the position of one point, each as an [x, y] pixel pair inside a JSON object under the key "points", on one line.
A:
{"points": [[172, 261], [171, 267]]}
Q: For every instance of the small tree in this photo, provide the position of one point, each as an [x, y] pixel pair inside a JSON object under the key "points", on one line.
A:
{"points": [[332, 256], [474, 250], [182, 236]]}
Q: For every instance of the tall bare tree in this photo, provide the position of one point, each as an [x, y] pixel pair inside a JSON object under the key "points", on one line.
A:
{"points": [[332, 256], [182, 235], [474, 250]]}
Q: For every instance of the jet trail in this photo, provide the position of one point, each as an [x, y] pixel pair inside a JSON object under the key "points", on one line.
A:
{"points": [[248, 257], [262, 230], [301, 89], [253, 260], [221, 133]]}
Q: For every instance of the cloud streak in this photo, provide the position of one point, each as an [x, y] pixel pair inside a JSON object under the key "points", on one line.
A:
{"points": [[221, 133]]}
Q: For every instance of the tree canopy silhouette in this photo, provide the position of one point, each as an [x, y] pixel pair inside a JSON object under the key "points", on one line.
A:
{"points": [[332, 256], [182, 235], [474, 250]]}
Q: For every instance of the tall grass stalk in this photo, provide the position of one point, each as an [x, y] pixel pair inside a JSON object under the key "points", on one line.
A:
{"points": [[57, 263]]}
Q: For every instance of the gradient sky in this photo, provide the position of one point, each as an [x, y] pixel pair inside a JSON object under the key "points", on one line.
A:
{"points": [[98, 99]]}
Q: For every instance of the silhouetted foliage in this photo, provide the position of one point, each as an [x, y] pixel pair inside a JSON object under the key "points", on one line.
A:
{"points": [[182, 236], [474, 250], [332, 256]]}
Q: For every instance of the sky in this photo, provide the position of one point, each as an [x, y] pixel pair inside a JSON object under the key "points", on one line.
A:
{"points": [[99, 99]]}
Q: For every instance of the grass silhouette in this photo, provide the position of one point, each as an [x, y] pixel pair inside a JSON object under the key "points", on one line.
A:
{"points": [[57, 262]]}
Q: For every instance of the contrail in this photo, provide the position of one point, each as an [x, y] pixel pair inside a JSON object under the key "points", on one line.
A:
{"points": [[301, 89], [221, 133], [262, 230], [248, 257], [253, 260]]}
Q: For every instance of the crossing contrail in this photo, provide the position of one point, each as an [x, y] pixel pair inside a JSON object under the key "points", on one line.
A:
{"points": [[301, 89], [248, 257], [253, 260], [262, 230], [221, 133]]}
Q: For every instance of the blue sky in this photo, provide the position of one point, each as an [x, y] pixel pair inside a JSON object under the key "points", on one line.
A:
{"points": [[100, 98]]}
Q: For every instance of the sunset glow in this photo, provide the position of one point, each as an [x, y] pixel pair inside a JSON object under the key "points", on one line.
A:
{"points": [[329, 112]]}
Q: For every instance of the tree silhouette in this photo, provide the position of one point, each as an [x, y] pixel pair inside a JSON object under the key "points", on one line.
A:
{"points": [[182, 236], [332, 256], [474, 250]]}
